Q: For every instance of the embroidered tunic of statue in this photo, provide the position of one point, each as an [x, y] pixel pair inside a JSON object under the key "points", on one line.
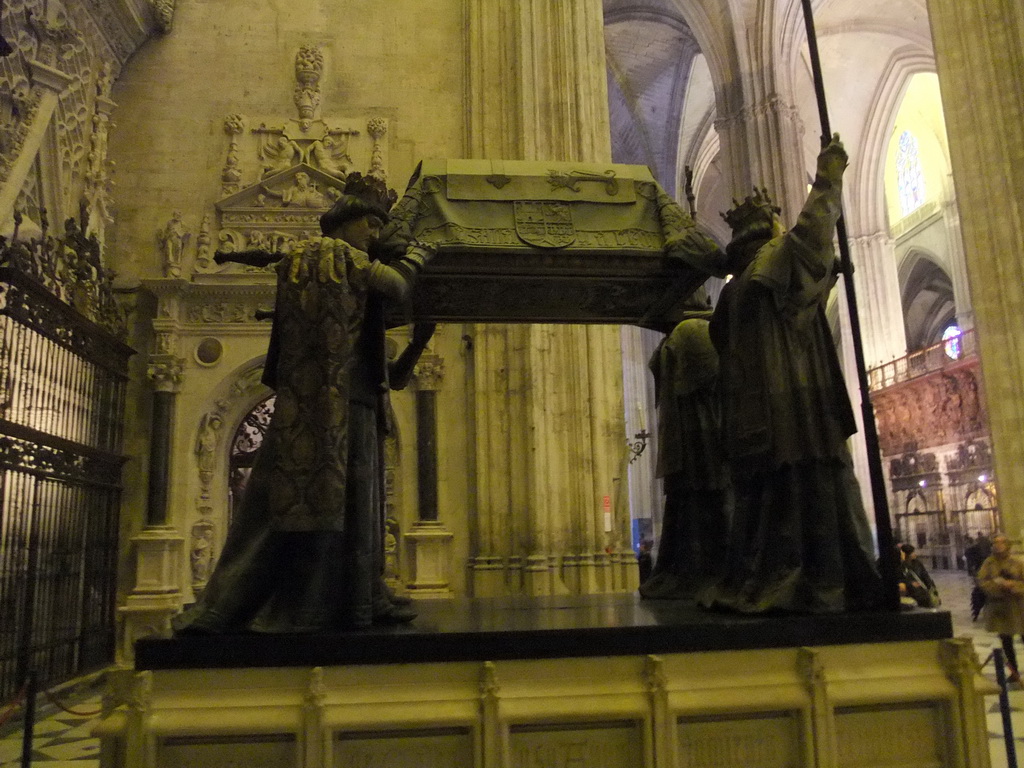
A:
{"points": [[690, 461], [799, 539], [305, 552]]}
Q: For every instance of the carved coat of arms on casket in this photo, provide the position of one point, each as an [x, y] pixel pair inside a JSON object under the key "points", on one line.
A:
{"points": [[544, 224]]}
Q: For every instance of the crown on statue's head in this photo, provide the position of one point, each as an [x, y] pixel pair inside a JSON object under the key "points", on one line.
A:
{"points": [[755, 207], [363, 196], [371, 191]]}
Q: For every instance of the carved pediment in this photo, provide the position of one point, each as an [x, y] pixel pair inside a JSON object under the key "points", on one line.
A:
{"points": [[279, 176], [299, 189], [277, 211]]}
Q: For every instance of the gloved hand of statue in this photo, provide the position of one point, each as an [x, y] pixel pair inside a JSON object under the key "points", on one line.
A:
{"points": [[832, 160], [422, 332]]}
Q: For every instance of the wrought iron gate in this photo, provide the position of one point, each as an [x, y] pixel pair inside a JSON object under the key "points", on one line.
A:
{"points": [[63, 373]]}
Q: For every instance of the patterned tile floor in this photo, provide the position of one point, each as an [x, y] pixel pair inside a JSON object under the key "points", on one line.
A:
{"points": [[63, 740]]}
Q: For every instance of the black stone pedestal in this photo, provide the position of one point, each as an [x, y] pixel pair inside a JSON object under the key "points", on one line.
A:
{"points": [[548, 627]]}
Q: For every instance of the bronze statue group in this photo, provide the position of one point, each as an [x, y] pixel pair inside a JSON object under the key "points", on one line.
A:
{"points": [[762, 508]]}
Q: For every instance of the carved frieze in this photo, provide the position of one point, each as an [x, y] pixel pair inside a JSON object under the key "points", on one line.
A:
{"points": [[222, 312], [937, 409], [284, 174]]}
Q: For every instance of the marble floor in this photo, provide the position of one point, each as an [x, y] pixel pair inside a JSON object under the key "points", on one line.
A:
{"points": [[63, 740]]}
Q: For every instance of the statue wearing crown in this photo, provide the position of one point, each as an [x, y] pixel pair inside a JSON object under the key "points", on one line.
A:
{"points": [[305, 551], [800, 539]]}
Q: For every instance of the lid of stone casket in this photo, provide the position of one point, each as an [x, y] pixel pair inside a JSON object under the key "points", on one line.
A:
{"points": [[515, 204], [539, 180]]}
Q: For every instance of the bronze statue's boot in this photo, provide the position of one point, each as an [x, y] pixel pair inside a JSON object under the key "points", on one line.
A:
{"points": [[394, 598], [394, 614], [387, 612], [362, 599]]}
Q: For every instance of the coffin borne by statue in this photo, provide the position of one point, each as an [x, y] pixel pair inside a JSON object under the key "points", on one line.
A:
{"points": [[525, 241]]}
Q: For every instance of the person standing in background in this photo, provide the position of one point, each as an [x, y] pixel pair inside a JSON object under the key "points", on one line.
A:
{"points": [[1001, 577]]}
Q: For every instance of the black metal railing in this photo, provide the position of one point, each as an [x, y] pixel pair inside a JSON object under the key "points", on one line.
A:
{"points": [[63, 375]]}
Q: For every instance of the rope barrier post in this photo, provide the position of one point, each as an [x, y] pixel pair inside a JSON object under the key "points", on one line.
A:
{"points": [[30, 719], [1004, 709]]}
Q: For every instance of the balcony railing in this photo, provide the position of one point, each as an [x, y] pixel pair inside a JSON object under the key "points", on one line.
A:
{"points": [[924, 361]]}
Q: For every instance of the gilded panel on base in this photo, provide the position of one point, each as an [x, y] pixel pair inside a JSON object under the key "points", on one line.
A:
{"points": [[434, 748], [616, 744], [893, 735], [768, 740], [267, 750]]}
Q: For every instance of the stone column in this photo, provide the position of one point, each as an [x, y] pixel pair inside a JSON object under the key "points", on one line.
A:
{"points": [[979, 52], [547, 399], [878, 286], [157, 594], [430, 541], [958, 266], [765, 149]]}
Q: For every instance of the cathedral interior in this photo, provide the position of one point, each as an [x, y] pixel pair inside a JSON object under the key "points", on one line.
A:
{"points": [[141, 137]]}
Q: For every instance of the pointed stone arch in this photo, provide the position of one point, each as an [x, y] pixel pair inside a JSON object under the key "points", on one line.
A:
{"points": [[865, 188], [926, 289]]}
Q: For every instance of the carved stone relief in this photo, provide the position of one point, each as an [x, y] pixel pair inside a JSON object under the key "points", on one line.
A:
{"points": [[278, 180], [933, 410], [74, 49]]}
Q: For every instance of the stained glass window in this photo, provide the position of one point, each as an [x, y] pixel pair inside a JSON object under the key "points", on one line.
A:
{"points": [[952, 338], [909, 176]]}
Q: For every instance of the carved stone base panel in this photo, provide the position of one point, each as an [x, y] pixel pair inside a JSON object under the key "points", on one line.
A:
{"points": [[157, 593], [143, 616], [430, 546], [890, 703]]}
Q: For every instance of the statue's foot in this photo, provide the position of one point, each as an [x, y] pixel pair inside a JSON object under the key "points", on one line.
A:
{"points": [[393, 614], [396, 599]]}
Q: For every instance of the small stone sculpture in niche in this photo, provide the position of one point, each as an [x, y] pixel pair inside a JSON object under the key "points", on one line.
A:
{"points": [[173, 238], [206, 449], [201, 556]]}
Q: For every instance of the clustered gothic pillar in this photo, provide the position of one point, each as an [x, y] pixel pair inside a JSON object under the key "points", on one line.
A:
{"points": [[979, 50], [762, 143], [547, 416], [882, 331], [958, 265]]}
